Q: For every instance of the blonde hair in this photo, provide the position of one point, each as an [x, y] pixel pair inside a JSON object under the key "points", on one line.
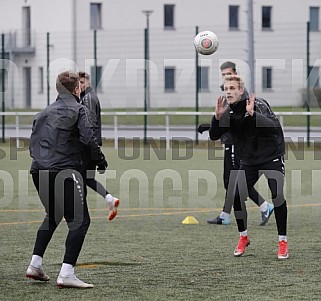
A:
{"points": [[236, 78]]}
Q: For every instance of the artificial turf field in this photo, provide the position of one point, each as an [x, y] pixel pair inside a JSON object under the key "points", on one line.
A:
{"points": [[146, 253]]}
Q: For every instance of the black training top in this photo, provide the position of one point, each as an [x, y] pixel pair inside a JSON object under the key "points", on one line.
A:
{"points": [[58, 135], [258, 138]]}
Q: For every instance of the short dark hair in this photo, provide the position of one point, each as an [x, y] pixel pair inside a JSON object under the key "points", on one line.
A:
{"points": [[84, 74], [227, 65], [66, 82]]}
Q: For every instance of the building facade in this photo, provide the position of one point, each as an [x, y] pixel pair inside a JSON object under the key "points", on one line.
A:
{"points": [[107, 38]]}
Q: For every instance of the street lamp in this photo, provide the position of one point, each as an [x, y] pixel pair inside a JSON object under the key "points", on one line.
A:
{"points": [[146, 77]]}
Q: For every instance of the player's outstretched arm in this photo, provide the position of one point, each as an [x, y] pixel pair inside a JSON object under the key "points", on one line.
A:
{"points": [[218, 125], [263, 118], [250, 104], [220, 108]]}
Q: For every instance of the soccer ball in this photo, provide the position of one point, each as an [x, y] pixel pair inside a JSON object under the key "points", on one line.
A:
{"points": [[206, 42]]}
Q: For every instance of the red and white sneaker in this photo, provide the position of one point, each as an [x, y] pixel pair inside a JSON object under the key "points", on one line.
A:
{"points": [[112, 207], [242, 244], [283, 250]]}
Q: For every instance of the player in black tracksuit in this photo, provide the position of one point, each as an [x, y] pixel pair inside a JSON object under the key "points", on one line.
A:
{"points": [[232, 162], [89, 99], [58, 135], [258, 136]]}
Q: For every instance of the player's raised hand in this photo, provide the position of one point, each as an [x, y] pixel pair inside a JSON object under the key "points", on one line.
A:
{"points": [[250, 104], [220, 108]]}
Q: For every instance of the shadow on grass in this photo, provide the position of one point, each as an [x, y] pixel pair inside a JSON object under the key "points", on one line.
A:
{"points": [[38, 283], [115, 263], [94, 264]]}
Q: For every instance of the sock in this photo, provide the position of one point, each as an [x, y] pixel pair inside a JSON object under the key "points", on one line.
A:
{"points": [[109, 198], [36, 261], [243, 233], [264, 206], [66, 270], [283, 237], [224, 215]]}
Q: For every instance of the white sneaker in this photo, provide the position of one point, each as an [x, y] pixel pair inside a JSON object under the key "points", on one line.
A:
{"points": [[112, 207], [72, 281], [36, 273]]}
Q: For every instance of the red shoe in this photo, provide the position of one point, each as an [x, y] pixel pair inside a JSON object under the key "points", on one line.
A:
{"points": [[242, 244], [113, 208], [283, 250]]}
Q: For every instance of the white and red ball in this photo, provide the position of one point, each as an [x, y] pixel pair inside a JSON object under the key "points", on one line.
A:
{"points": [[206, 42]]}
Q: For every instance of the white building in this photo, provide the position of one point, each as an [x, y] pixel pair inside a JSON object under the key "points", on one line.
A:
{"points": [[280, 49]]}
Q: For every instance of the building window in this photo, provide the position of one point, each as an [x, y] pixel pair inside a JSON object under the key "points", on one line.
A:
{"points": [[233, 17], [314, 75], [267, 78], [169, 16], [266, 17], [26, 26], [314, 18], [27, 81], [203, 79], [95, 16], [169, 79], [96, 78], [40, 80]]}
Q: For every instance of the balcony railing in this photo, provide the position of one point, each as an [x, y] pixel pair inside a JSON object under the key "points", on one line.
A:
{"points": [[20, 41]]}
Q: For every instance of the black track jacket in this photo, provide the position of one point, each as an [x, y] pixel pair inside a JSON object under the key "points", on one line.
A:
{"points": [[258, 138], [58, 135], [90, 99]]}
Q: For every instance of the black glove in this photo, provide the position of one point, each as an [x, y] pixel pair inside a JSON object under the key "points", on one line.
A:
{"points": [[203, 127], [101, 164]]}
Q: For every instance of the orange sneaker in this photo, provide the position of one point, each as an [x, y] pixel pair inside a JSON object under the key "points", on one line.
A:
{"points": [[283, 250], [242, 244], [112, 207]]}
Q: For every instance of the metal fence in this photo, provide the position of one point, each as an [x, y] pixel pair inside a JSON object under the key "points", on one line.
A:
{"points": [[119, 56], [21, 131]]}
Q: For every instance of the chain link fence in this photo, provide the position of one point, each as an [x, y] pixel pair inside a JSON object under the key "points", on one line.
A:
{"points": [[117, 58]]}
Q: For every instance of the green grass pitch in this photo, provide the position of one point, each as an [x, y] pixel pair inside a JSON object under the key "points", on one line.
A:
{"points": [[146, 253]]}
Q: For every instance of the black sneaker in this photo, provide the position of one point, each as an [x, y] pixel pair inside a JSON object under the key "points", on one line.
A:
{"points": [[219, 221]]}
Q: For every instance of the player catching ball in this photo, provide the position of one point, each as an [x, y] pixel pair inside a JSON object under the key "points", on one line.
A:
{"points": [[258, 135]]}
